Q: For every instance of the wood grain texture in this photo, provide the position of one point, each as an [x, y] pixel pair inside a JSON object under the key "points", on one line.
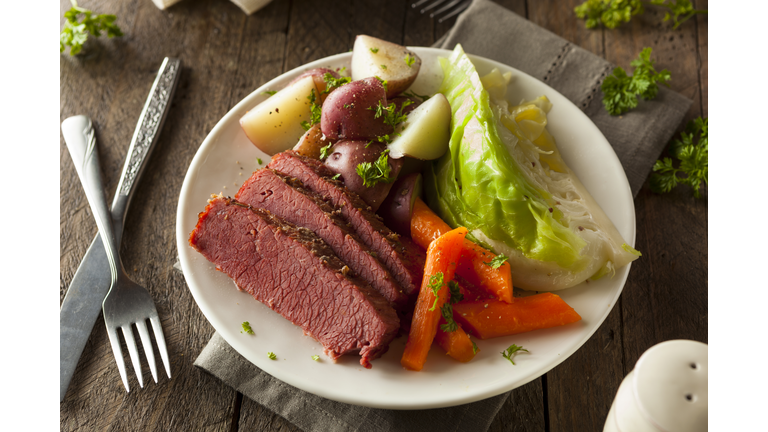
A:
{"points": [[226, 55]]}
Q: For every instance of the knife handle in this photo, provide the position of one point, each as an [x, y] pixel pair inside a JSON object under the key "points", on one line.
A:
{"points": [[144, 139], [81, 142]]}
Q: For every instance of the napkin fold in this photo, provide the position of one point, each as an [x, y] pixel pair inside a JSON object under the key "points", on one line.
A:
{"points": [[638, 137]]}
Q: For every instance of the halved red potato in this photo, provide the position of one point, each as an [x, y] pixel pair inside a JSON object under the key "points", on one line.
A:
{"points": [[391, 62]]}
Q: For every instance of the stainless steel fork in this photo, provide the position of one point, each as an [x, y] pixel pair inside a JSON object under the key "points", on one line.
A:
{"points": [[452, 8], [127, 303]]}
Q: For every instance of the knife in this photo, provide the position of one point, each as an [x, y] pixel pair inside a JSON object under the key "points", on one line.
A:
{"points": [[82, 302]]}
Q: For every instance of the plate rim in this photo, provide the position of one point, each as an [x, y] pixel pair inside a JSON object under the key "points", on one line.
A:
{"points": [[285, 376]]}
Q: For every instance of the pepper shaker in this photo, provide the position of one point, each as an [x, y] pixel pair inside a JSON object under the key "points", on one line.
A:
{"points": [[666, 392]]}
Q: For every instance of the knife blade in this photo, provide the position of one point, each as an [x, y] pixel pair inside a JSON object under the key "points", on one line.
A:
{"points": [[82, 302]]}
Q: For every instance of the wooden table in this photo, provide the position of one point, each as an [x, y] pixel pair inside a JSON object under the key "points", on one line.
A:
{"points": [[226, 55]]}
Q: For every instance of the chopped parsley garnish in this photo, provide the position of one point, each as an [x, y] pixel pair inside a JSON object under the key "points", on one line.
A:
{"points": [[315, 111], [270, 92], [447, 312], [511, 352], [336, 177], [409, 60], [412, 94], [613, 13], [496, 262], [693, 157], [374, 50], [456, 295], [258, 160], [392, 116], [247, 328], [271, 355], [325, 151], [475, 349], [75, 33], [332, 83], [435, 283], [384, 67], [316, 357], [383, 82], [375, 172], [620, 90]]}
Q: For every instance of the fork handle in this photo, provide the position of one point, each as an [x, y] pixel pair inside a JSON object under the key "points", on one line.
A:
{"points": [[81, 141], [144, 139]]}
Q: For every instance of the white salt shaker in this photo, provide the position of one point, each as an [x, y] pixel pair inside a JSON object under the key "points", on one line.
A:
{"points": [[666, 392]]}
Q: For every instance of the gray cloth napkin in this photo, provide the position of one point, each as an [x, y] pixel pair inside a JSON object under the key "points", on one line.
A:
{"points": [[638, 137]]}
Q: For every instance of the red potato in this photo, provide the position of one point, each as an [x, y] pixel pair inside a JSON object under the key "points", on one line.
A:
{"points": [[394, 63], [347, 155], [346, 114], [311, 142], [318, 75], [397, 208]]}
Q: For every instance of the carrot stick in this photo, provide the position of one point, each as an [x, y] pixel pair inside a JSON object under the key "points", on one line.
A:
{"points": [[494, 318], [427, 226], [442, 256], [456, 343]]}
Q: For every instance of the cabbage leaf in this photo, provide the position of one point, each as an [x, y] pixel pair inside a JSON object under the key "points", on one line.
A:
{"points": [[505, 181]]}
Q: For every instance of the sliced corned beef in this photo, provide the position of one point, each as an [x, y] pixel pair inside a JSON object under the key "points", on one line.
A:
{"points": [[286, 198], [295, 273], [403, 258]]}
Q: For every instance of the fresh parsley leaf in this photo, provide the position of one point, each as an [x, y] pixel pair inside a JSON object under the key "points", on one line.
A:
{"points": [[247, 328], [258, 161], [620, 90], [270, 92], [271, 355], [332, 83], [447, 312], [316, 357], [412, 94], [336, 177], [383, 82], [613, 13], [75, 32], [392, 116], [475, 349], [511, 351], [409, 60], [435, 283], [325, 151], [384, 67], [693, 157], [456, 295], [374, 50], [375, 172], [315, 111], [496, 262]]}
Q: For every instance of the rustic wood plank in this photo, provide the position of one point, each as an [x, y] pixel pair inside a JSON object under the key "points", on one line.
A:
{"points": [[560, 19], [702, 32]]}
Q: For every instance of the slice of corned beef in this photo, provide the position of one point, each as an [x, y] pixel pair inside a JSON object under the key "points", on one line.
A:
{"points": [[403, 258], [295, 273], [287, 198]]}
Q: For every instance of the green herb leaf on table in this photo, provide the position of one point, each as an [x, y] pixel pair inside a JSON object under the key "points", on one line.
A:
{"points": [[693, 159], [75, 32], [613, 13], [375, 172], [620, 90], [510, 352]]}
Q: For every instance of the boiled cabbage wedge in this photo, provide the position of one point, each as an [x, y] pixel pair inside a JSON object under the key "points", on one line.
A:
{"points": [[505, 181]]}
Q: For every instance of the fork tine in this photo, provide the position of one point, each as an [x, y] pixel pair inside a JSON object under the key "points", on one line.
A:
{"points": [[435, 4], [444, 8], [418, 3], [158, 329], [459, 9], [114, 340], [141, 325], [131, 342]]}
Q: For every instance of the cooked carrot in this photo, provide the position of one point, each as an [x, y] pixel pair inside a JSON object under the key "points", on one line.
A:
{"points": [[494, 318], [427, 226], [442, 256], [456, 343]]}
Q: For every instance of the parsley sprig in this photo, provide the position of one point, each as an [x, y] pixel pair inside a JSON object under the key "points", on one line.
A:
{"points": [[332, 83], [435, 283], [511, 352], [375, 172], [75, 32], [620, 90], [613, 13], [693, 157], [325, 151], [314, 110], [409, 60], [447, 309], [497, 261], [247, 328]]}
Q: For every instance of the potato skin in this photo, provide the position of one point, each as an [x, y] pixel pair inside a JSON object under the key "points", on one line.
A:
{"points": [[397, 208], [346, 114], [347, 155], [311, 142], [388, 63]]}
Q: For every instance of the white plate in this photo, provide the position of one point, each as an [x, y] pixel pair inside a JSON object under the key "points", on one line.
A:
{"points": [[443, 382]]}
